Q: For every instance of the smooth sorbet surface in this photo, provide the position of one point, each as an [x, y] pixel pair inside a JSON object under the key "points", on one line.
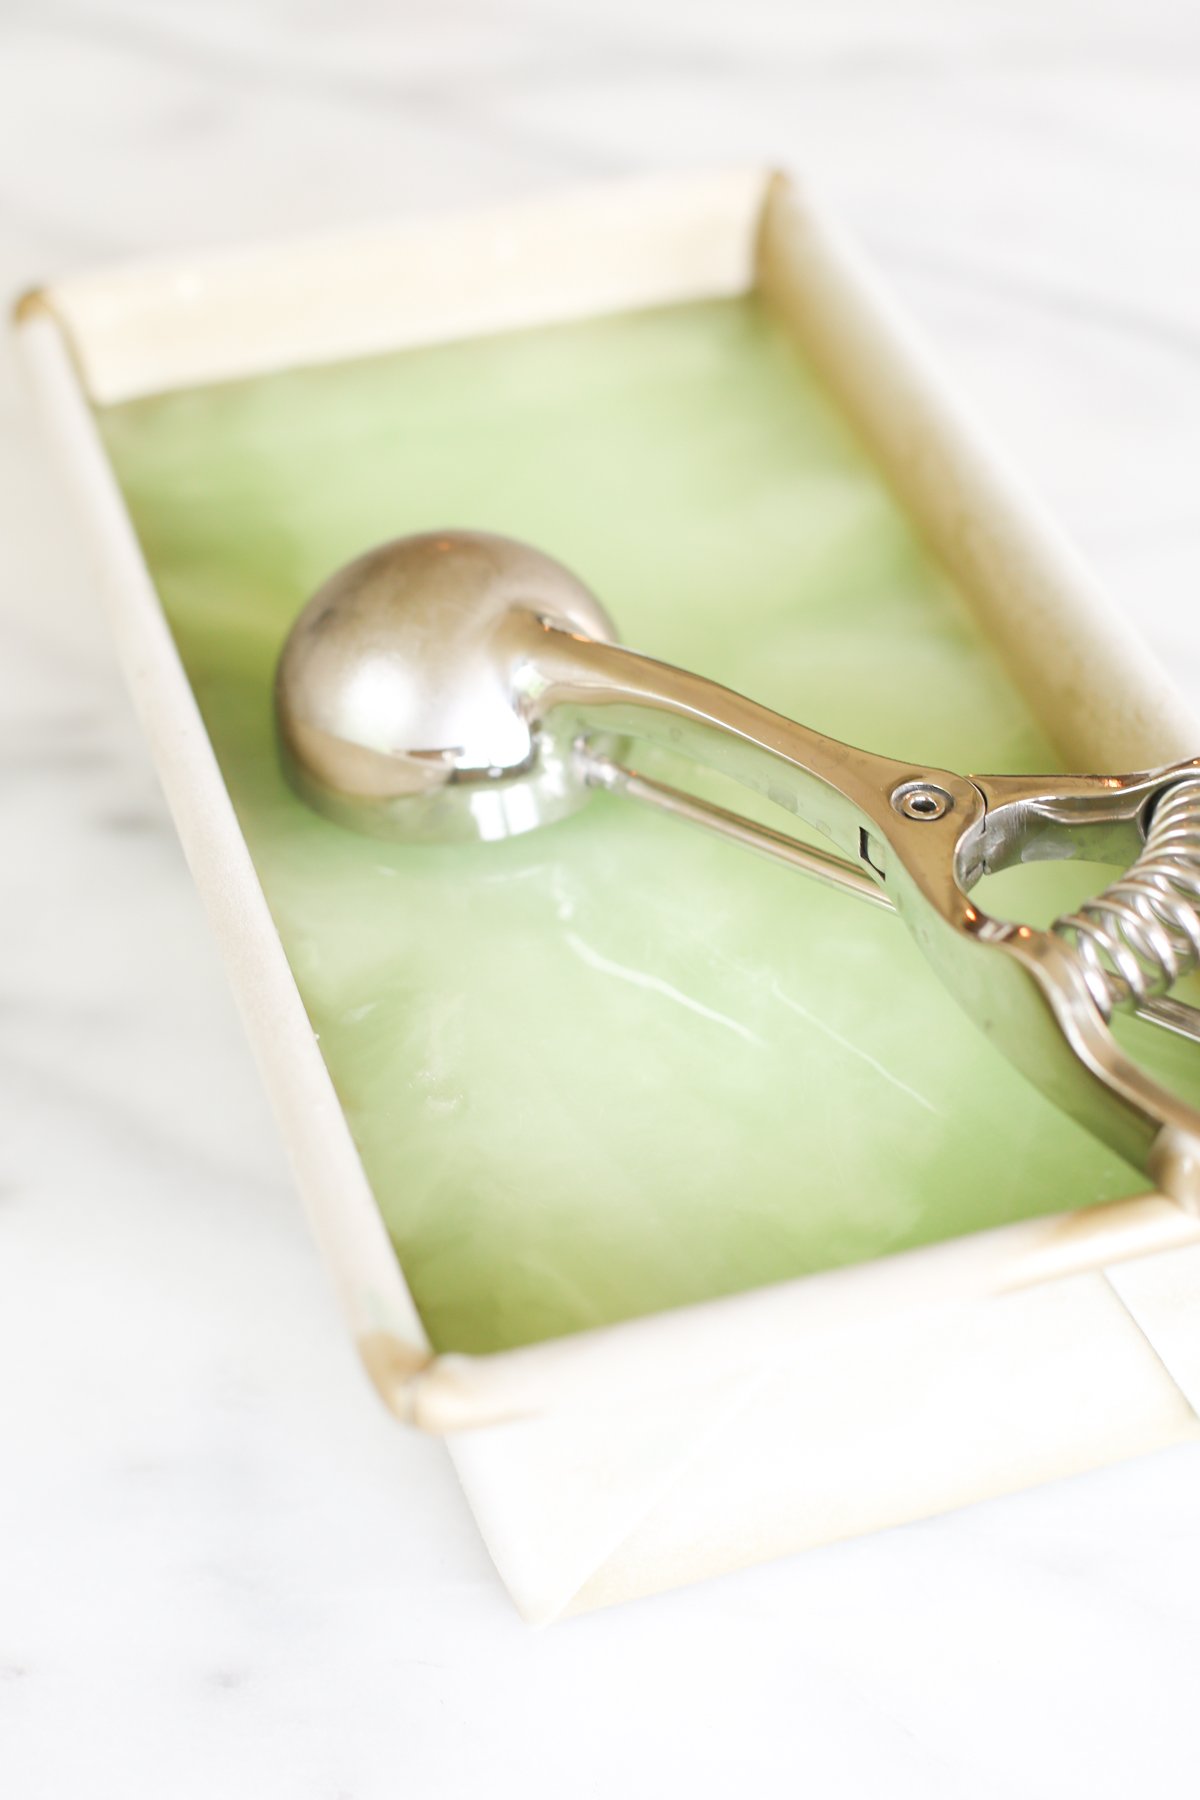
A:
{"points": [[614, 1066]]}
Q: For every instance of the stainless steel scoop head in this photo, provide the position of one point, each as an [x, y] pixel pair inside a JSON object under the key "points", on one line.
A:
{"points": [[398, 692]]}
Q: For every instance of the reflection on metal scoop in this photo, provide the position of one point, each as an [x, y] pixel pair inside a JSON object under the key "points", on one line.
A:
{"points": [[459, 685], [400, 693]]}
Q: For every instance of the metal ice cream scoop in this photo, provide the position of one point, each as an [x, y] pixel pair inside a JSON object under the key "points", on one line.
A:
{"points": [[459, 685]]}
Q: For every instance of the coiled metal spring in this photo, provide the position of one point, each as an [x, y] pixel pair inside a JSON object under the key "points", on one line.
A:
{"points": [[1142, 934]]}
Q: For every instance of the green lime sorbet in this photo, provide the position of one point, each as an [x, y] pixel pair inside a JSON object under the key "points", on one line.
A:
{"points": [[615, 1065]]}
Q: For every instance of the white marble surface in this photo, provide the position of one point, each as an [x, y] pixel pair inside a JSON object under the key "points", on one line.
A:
{"points": [[222, 1570]]}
